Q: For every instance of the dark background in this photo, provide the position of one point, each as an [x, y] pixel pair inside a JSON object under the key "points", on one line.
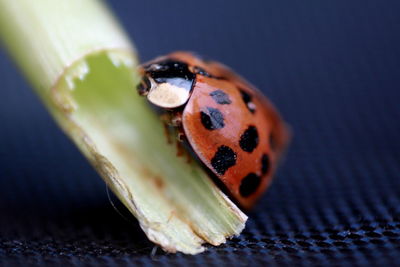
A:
{"points": [[331, 67]]}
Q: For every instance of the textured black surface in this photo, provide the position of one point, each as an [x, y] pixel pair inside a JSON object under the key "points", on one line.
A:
{"points": [[332, 68]]}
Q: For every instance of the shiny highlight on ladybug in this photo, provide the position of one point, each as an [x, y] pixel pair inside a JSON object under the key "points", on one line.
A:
{"points": [[230, 125]]}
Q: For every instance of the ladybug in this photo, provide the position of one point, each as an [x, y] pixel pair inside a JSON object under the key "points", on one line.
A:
{"points": [[229, 125]]}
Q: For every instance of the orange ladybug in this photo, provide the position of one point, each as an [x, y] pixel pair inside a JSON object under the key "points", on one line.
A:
{"points": [[231, 127]]}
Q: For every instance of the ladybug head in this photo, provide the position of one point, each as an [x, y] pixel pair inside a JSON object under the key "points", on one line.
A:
{"points": [[166, 83]]}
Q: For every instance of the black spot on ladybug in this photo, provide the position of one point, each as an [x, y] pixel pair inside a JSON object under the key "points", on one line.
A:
{"points": [[212, 119], [166, 70], [249, 139], [265, 163], [247, 99], [249, 184], [220, 97], [223, 159]]}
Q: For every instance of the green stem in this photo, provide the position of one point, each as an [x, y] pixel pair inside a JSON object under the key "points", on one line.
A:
{"points": [[84, 68]]}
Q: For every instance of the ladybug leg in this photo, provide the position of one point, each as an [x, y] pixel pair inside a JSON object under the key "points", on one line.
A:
{"points": [[172, 121], [180, 145], [166, 120], [176, 121], [172, 118], [180, 135]]}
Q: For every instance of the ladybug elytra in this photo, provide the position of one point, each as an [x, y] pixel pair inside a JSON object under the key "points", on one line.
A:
{"points": [[231, 127]]}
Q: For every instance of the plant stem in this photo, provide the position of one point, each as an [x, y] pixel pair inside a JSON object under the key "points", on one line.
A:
{"points": [[83, 67]]}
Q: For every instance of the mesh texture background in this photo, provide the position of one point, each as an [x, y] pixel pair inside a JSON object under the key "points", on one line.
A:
{"points": [[331, 67]]}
